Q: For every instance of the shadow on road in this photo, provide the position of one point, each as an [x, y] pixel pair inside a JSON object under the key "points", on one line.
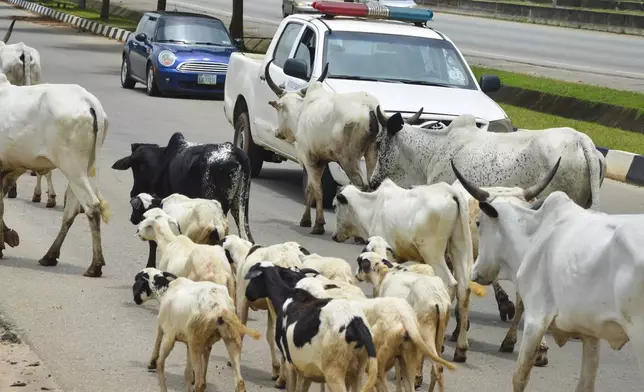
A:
{"points": [[85, 47], [62, 268]]}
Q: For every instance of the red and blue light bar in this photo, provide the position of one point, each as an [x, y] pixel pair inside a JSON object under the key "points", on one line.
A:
{"points": [[374, 10]]}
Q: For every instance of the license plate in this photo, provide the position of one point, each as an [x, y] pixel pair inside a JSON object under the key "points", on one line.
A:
{"points": [[206, 79]]}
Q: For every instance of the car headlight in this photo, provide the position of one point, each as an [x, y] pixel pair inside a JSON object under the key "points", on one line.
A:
{"points": [[503, 125], [167, 58]]}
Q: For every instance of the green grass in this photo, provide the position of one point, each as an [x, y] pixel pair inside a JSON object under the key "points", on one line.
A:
{"points": [[72, 8], [602, 136], [627, 99], [545, 5]]}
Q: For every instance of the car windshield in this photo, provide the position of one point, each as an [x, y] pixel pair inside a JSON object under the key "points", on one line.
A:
{"points": [[192, 31], [395, 59]]}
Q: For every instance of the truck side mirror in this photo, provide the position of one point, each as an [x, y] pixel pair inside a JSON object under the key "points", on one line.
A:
{"points": [[296, 68], [489, 83]]}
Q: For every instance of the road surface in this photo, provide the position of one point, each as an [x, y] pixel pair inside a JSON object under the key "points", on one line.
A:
{"points": [[563, 53], [94, 338]]}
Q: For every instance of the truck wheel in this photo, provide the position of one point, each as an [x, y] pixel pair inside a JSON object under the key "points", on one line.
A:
{"points": [[329, 187], [244, 140]]}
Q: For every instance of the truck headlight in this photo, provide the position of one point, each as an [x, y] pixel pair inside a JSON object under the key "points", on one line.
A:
{"points": [[503, 125], [167, 58]]}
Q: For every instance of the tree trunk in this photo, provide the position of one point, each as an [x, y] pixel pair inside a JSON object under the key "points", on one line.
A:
{"points": [[237, 20], [161, 5], [105, 10], [81, 4]]}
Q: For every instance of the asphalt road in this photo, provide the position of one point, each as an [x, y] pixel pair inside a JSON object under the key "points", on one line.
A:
{"points": [[94, 338], [577, 55]]}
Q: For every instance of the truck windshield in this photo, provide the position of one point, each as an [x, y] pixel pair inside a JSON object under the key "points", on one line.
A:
{"points": [[396, 59], [200, 31]]}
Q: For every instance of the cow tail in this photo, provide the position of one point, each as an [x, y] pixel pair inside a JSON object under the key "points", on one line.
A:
{"points": [[100, 126], [242, 197], [596, 171], [462, 230]]}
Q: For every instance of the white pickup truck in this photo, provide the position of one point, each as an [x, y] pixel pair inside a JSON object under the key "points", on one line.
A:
{"points": [[404, 65]]}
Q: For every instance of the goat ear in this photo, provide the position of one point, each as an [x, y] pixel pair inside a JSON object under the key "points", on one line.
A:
{"points": [[342, 199], [169, 276], [488, 210], [123, 163], [395, 124], [252, 274], [387, 263], [304, 250]]}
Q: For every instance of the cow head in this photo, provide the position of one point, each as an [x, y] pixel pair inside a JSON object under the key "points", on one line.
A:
{"points": [[500, 238], [150, 283], [347, 221], [391, 161], [145, 162], [289, 103]]}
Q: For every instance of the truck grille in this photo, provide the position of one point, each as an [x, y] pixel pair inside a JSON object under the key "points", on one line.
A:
{"points": [[202, 67]]}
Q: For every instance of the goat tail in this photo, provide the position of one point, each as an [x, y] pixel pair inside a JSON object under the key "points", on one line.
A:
{"points": [[230, 318], [414, 335]]}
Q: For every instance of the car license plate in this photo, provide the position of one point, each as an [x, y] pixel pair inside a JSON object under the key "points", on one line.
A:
{"points": [[206, 79]]}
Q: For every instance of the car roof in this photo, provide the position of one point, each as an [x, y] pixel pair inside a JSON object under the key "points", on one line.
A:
{"points": [[344, 23], [166, 14]]}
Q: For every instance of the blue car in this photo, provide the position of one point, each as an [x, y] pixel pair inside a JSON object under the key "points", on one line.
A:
{"points": [[178, 52]]}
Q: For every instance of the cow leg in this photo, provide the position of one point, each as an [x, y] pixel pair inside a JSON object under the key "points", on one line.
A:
{"points": [[71, 210], [506, 307], [589, 364], [51, 192], [7, 236], [152, 256], [314, 177], [461, 264], [507, 346], [12, 192], [37, 190], [308, 202], [370, 159], [3, 227], [533, 332]]}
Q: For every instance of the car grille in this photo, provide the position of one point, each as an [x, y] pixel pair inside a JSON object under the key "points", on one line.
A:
{"points": [[204, 87], [195, 66]]}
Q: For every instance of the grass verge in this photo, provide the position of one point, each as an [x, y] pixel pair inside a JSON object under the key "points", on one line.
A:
{"points": [[602, 136], [586, 92], [94, 16]]}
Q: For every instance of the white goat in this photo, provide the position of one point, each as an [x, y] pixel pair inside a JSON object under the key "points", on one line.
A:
{"points": [[333, 268], [198, 314]]}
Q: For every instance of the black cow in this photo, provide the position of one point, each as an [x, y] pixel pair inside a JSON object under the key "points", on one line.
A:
{"points": [[208, 171]]}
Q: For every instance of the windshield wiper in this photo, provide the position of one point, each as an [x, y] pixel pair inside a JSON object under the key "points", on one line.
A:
{"points": [[174, 41], [208, 43], [351, 77], [421, 82]]}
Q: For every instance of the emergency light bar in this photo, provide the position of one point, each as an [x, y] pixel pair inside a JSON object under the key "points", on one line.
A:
{"points": [[374, 11]]}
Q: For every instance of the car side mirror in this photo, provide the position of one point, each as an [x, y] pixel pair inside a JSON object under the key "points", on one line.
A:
{"points": [[239, 43], [490, 83], [296, 68], [141, 37]]}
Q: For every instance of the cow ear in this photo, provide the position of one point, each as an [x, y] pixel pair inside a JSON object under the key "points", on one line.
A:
{"points": [[275, 104], [123, 163], [135, 146], [304, 250], [395, 124], [489, 210], [342, 199]]}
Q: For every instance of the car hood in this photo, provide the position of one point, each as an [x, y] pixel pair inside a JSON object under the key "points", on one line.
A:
{"points": [[198, 52], [409, 98]]}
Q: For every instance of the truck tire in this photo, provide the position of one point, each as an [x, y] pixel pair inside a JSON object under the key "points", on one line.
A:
{"points": [[244, 140], [329, 187]]}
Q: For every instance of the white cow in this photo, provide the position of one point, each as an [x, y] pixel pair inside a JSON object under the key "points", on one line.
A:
{"points": [[21, 65], [411, 156], [421, 224], [328, 127], [51, 126], [580, 273]]}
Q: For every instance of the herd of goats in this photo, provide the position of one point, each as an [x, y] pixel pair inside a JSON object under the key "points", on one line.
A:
{"points": [[443, 214]]}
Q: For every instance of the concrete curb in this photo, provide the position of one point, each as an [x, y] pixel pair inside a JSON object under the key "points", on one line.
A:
{"points": [[83, 24], [624, 166]]}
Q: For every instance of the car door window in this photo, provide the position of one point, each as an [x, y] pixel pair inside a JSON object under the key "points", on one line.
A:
{"points": [[285, 43], [306, 49], [149, 28], [139, 27]]}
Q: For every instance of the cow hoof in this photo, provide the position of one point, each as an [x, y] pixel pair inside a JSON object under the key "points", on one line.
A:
{"points": [[359, 240], [506, 310], [48, 261], [13, 193], [35, 198], [229, 364], [305, 222], [11, 238], [152, 365], [460, 355], [280, 383], [542, 358], [51, 203], [507, 346], [418, 381], [93, 272], [317, 230], [276, 372]]}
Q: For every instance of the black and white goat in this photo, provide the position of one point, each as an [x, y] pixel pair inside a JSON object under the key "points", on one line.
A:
{"points": [[322, 340]]}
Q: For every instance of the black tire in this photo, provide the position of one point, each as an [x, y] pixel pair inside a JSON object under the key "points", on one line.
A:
{"points": [[244, 140], [151, 86], [126, 79], [329, 187]]}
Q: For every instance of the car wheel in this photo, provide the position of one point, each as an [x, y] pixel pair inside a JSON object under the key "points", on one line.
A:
{"points": [[126, 80], [151, 87], [244, 140], [329, 187]]}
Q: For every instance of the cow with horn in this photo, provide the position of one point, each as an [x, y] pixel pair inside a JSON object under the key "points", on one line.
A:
{"points": [[328, 127]]}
